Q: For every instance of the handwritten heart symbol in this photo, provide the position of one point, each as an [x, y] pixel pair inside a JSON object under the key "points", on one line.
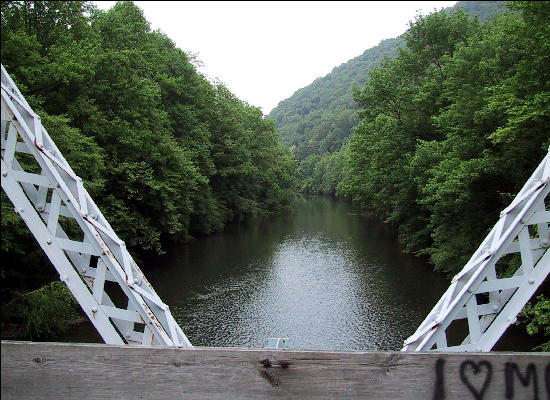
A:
{"points": [[476, 368]]}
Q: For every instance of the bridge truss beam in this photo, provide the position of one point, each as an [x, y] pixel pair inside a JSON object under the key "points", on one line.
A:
{"points": [[483, 299], [88, 255]]}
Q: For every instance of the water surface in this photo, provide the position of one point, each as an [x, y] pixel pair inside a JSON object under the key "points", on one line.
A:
{"points": [[325, 277]]}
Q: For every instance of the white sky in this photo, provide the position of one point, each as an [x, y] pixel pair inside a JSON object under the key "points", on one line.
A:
{"points": [[265, 51]]}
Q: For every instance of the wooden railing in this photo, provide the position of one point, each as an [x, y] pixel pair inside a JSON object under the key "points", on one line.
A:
{"points": [[83, 371]]}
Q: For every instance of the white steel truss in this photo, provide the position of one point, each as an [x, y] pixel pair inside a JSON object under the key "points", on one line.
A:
{"points": [[93, 262], [486, 303]]}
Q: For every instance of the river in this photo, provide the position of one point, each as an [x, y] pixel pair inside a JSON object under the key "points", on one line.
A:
{"points": [[325, 277]]}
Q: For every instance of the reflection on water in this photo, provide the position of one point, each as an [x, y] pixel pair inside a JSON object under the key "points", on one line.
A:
{"points": [[324, 277]]}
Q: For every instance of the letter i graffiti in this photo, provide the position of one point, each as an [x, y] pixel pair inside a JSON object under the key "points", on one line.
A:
{"points": [[439, 392]]}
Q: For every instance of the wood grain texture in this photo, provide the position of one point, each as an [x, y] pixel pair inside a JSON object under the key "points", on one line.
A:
{"points": [[77, 371]]}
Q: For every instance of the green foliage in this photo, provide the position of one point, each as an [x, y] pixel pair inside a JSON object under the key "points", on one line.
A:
{"points": [[317, 120], [166, 154], [42, 312], [450, 130], [536, 318]]}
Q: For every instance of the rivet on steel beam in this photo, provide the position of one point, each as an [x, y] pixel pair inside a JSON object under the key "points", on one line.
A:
{"points": [[5, 173], [137, 281], [545, 243], [127, 334], [49, 241], [40, 207], [94, 309], [83, 270], [531, 281], [495, 307]]}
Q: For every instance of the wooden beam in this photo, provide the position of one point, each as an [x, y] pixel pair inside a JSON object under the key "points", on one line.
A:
{"points": [[78, 371]]}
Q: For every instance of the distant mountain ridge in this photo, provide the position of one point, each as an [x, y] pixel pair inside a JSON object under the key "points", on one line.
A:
{"points": [[319, 118]]}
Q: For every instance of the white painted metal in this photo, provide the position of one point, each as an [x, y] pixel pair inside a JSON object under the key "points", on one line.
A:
{"points": [[277, 343], [486, 302], [94, 264]]}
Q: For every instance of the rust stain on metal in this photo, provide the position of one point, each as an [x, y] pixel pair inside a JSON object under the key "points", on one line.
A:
{"points": [[152, 316]]}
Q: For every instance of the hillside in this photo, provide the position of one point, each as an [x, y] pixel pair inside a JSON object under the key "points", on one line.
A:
{"points": [[319, 118]]}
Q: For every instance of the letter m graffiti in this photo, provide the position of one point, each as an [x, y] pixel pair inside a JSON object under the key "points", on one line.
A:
{"points": [[512, 369]]}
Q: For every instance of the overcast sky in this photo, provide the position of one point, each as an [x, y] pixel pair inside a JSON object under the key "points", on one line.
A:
{"points": [[265, 51]]}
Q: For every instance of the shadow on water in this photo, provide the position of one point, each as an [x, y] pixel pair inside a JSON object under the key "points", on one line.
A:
{"points": [[325, 276]]}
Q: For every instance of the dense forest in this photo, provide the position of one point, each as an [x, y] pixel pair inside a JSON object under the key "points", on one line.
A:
{"points": [[449, 127], [166, 154]]}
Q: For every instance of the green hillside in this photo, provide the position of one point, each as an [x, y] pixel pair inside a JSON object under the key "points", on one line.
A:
{"points": [[318, 119]]}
